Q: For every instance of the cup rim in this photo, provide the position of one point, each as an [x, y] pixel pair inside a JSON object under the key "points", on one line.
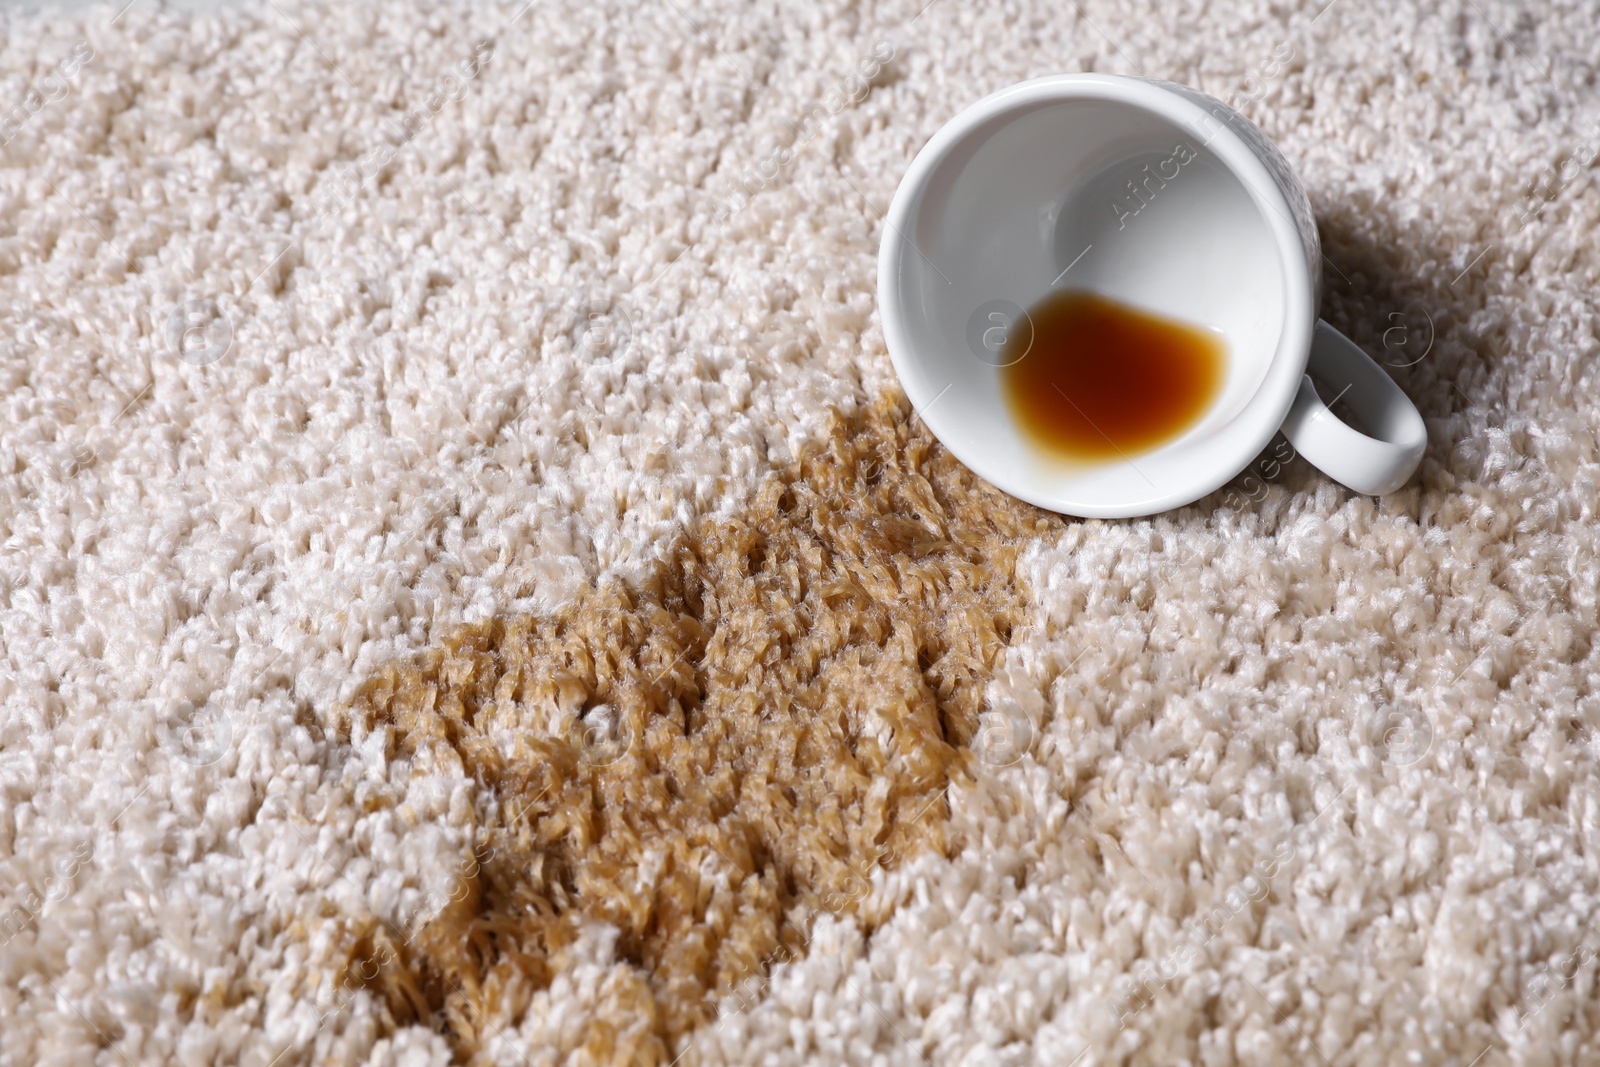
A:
{"points": [[1242, 438]]}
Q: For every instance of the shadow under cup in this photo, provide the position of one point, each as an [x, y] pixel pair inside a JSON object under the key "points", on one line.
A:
{"points": [[1114, 197]]}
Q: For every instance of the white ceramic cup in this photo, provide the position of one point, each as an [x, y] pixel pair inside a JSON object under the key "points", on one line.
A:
{"points": [[1160, 197]]}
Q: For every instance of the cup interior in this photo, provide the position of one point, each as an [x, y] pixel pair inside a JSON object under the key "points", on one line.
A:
{"points": [[1087, 192]]}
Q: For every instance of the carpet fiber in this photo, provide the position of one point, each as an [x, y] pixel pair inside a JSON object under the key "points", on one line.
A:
{"points": [[472, 591]]}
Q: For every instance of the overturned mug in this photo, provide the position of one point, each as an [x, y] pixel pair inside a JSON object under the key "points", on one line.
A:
{"points": [[1160, 198]]}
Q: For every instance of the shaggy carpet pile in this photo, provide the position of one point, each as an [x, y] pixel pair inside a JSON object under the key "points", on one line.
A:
{"points": [[471, 589]]}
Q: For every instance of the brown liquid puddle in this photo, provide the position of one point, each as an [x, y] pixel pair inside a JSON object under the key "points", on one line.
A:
{"points": [[1100, 380]]}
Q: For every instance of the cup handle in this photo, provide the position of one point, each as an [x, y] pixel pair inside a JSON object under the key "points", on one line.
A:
{"points": [[1373, 465]]}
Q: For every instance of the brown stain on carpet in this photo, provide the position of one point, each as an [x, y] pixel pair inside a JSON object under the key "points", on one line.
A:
{"points": [[710, 758]]}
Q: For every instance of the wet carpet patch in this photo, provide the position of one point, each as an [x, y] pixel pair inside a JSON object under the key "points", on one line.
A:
{"points": [[708, 758]]}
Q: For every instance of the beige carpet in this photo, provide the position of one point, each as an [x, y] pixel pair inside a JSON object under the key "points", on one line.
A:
{"points": [[471, 591]]}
